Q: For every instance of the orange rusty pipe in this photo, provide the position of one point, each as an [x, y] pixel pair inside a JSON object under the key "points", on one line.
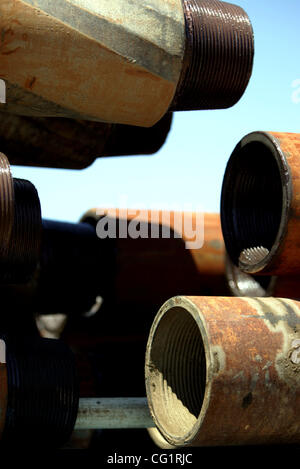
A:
{"points": [[93, 60], [225, 371], [260, 208], [75, 144], [147, 271]]}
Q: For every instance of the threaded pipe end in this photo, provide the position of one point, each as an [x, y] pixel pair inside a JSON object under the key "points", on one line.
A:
{"points": [[218, 57], [43, 393], [6, 204], [24, 249], [177, 373], [254, 202]]}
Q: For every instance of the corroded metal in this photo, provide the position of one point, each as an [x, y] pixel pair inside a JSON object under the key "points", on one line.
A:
{"points": [[123, 61], [260, 207], [218, 56], [225, 371], [93, 60], [160, 267], [74, 144]]}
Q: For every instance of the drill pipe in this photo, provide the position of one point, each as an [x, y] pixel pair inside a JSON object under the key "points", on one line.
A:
{"points": [[74, 144], [260, 209], [39, 392], [145, 272], [68, 276], [20, 221], [93, 60], [225, 371]]}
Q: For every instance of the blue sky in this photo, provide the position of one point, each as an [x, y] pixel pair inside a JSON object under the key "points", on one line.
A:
{"points": [[188, 170]]}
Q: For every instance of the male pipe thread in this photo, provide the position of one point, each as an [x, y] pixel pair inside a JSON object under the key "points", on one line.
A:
{"points": [[218, 57], [180, 55], [75, 144], [20, 227], [39, 392], [216, 368], [241, 284], [260, 209]]}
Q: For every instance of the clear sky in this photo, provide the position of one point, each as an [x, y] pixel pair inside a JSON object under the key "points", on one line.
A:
{"points": [[188, 170]]}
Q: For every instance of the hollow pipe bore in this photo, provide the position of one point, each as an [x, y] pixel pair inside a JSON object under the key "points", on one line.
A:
{"points": [[259, 204], [225, 371]]}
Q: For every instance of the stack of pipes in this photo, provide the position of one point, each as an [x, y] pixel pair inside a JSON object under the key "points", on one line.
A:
{"points": [[84, 80]]}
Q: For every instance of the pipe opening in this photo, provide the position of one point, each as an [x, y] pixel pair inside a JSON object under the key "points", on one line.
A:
{"points": [[252, 201], [177, 373]]}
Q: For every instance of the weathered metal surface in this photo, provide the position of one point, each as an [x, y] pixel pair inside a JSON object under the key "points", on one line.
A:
{"points": [[260, 204], [110, 413], [93, 60], [161, 267], [225, 371], [218, 56], [158, 439], [144, 57], [74, 144]]}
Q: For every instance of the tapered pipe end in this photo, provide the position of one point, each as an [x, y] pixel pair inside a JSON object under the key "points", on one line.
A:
{"points": [[218, 58], [255, 202]]}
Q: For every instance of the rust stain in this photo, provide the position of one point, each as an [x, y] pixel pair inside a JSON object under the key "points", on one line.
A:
{"points": [[9, 52], [286, 261], [14, 20], [4, 36], [29, 84], [141, 73], [246, 391]]}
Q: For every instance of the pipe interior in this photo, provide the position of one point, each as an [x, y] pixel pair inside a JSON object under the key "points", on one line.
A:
{"points": [[251, 202], [177, 373]]}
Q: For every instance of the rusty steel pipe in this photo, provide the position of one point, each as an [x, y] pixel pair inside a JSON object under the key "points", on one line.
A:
{"points": [[74, 144], [260, 204], [94, 60], [241, 284], [225, 371], [145, 272]]}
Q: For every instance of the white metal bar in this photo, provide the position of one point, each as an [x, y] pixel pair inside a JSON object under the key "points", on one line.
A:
{"points": [[113, 413]]}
